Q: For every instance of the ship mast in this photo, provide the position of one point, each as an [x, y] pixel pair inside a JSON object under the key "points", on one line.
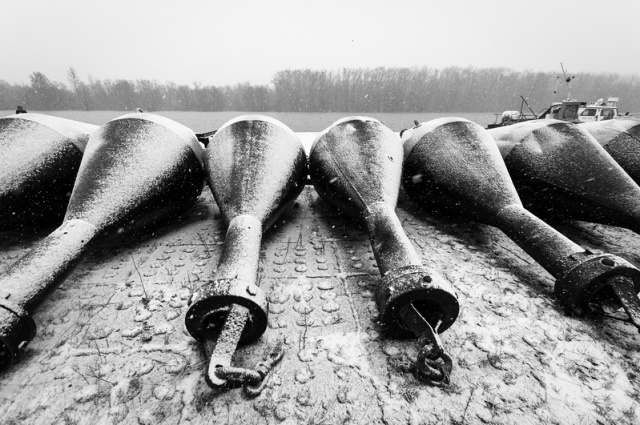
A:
{"points": [[566, 81]]}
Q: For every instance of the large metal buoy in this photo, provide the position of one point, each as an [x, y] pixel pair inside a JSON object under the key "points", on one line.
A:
{"points": [[39, 159], [256, 168], [136, 170], [453, 166], [561, 171], [356, 165], [621, 139]]}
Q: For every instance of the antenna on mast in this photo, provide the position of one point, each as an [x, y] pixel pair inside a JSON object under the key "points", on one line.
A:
{"points": [[567, 81]]}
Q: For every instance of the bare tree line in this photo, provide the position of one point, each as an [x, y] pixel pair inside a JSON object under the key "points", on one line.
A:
{"points": [[452, 89]]}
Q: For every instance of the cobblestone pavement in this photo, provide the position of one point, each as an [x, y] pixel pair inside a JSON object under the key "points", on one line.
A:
{"points": [[112, 347]]}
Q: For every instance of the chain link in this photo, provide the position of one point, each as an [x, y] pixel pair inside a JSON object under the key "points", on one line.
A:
{"points": [[433, 365], [252, 380]]}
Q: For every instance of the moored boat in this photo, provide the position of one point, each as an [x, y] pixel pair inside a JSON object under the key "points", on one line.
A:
{"points": [[571, 110]]}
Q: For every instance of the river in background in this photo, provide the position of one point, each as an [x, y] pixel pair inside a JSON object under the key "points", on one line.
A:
{"points": [[201, 122]]}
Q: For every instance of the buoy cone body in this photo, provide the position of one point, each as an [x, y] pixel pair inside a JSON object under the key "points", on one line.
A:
{"points": [[39, 160], [137, 169], [561, 171], [356, 166], [453, 166], [256, 167], [621, 139]]}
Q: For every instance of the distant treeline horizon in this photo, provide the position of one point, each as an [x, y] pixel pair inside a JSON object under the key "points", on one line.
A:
{"points": [[452, 89]]}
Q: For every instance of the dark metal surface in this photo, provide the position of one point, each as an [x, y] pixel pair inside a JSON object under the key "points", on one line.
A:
{"points": [[621, 139], [453, 166], [450, 166], [39, 159], [356, 165], [560, 170], [234, 282], [587, 286], [256, 168], [17, 329], [135, 170], [404, 279], [628, 296]]}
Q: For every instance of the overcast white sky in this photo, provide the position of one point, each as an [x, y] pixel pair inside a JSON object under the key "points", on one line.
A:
{"points": [[228, 42]]}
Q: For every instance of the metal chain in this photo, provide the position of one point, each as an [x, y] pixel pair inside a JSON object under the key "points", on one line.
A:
{"points": [[263, 368], [625, 291], [252, 380], [433, 365]]}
